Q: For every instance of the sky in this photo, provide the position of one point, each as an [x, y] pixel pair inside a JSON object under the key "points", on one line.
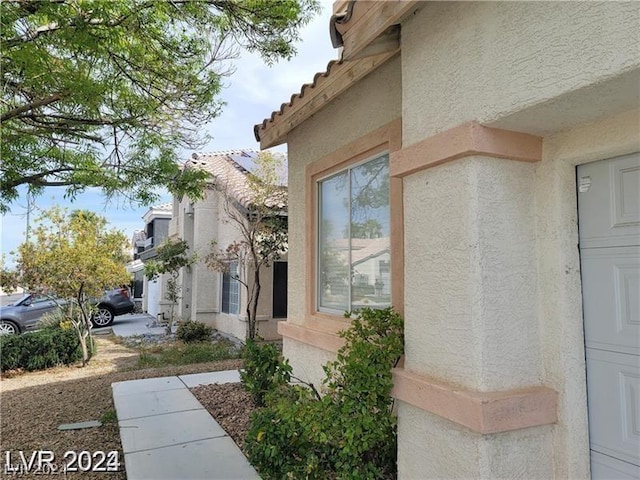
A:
{"points": [[251, 93]]}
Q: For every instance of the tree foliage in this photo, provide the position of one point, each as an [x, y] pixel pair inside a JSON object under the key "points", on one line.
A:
{"points": [[262, 230], [103, 93], [75, 256]]}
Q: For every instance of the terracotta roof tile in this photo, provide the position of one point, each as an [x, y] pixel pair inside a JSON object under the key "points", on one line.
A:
{"points": [[229, 170], [317, 78]]}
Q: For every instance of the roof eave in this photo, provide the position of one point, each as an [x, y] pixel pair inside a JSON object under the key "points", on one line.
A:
{"points": [[368, 35], [338, 78]]}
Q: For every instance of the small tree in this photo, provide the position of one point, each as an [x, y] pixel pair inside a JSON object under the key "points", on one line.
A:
{"points": [[74, 256], [262, 227], [172, 257]]}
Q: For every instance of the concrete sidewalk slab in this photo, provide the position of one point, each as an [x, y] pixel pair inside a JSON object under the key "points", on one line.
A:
{"points": [[147, 385], [171, 429], [147, 404], [167, 434], [215, 459], [209, 378]]}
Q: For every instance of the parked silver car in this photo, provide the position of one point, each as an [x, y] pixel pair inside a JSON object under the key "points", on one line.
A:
{"points": [[24, 314]]}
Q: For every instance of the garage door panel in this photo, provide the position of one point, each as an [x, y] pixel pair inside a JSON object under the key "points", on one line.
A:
{"points": [[605, 467], [613, 386], [610, 192], [611, 298], [609, 225]]}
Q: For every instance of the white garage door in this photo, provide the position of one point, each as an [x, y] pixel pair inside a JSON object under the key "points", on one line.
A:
{"points": [[609, 221]]}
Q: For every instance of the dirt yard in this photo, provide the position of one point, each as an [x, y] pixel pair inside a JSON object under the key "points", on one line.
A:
{"points": [[33, 405]]}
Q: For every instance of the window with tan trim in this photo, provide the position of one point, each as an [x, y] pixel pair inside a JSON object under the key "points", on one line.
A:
{"points": [[353, 244], [380, 143]]}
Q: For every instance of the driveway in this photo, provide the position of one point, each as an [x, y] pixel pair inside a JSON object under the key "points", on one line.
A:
{"points": [[129, 324]]}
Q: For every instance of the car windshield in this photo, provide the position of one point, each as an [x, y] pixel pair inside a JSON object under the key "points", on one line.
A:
{"points": [[22, 300]]}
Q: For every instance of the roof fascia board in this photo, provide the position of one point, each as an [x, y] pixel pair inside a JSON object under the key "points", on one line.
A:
{"points": [[369, 20], [341, 76]]}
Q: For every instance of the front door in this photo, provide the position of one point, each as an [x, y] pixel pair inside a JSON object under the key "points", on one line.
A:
{"points": [[279, 289], [609, 223]]}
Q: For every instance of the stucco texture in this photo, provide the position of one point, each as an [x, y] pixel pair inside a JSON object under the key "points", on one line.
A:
{"points": [[560, 296], [485, 61], [492, 292], [345, 119], [436, 448], [470, 293]]}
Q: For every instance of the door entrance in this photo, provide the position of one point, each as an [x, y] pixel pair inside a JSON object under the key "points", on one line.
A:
{"points": [[280, 289]]}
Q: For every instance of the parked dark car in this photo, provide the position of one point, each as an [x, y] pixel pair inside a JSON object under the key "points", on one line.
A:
{"points": [[114, 302], [24, 314]]}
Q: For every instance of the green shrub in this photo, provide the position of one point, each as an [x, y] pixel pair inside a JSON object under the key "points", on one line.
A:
{"points": [[263, 370], [191, 331], [39, 350], [350, 432]]}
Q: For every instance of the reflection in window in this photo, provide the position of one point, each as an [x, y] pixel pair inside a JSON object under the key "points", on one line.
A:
{"points": [[353, 238], [231, 290]]}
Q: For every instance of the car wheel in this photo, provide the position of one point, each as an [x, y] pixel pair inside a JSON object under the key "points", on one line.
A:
{"points": [[8, 328], [103, 317]]}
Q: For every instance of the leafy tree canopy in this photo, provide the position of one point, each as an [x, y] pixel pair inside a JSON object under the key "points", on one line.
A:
{"points": [[73, 255], [103, 93]]}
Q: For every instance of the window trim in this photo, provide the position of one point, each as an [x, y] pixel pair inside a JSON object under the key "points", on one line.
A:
{"points": [[347, 168], [386, 139]]}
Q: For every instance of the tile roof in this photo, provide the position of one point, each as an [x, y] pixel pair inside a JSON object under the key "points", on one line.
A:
{"points": [[229, 170], [318, 79]]}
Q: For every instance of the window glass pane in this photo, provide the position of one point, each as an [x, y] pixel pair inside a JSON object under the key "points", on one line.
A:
{"points": [[226, 279], [234, 289], [333, 243], [370, 237], [231, 290]]}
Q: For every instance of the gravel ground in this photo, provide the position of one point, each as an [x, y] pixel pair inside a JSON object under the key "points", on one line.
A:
{"points": [[230, 405], [33, 405]]}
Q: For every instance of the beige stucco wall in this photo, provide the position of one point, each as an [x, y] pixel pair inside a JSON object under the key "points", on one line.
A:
{"points": [[202, 286], [342, 121], [486, 61], [559, 295], [492, 293], [469, 245], [492, 274]]}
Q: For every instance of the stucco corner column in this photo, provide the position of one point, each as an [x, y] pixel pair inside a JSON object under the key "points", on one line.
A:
{"points": [[471, 403]]}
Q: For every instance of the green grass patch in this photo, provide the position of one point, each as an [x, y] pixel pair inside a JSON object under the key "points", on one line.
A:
{"points": [[109, 416], [186, 353]]}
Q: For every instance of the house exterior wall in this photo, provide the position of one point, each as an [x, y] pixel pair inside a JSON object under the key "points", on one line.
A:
{"points": [[201, 286], [485, 61], [347, 118], [499, 289], [492, 293]]}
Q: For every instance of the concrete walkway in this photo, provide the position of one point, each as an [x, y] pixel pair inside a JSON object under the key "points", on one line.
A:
{"points": [[167, 434], [131, 324]]}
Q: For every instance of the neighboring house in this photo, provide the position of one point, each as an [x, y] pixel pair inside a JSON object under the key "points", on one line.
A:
{"points": [[136, 267], [156, 230], [495, 145], [217, 298]]}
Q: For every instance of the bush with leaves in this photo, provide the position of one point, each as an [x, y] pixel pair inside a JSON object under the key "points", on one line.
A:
{"points": [[39, 350], [190, 331], [350, 432], [263, 370]]}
